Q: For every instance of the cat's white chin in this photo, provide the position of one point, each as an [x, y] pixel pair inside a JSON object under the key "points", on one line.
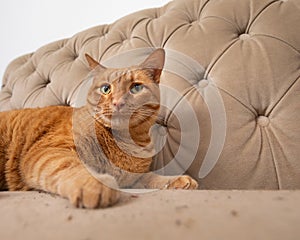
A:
{"points": [[116, 123], [119, 123]]}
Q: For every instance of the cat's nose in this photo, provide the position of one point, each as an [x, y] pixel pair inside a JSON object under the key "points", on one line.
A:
{"points": [[118, 104]]}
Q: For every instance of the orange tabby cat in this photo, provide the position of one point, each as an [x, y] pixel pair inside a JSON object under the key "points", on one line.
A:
{"points": [[57, 148]]}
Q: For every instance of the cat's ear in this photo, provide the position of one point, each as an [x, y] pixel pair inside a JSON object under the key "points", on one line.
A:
{"points": [[155, 62], [92, 62]]}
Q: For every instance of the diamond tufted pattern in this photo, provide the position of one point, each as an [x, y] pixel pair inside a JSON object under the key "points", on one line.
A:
{"points": [[230, 89]]}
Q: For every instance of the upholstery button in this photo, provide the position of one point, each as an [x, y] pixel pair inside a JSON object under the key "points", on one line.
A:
{"points": [[194, 22], [162, 131], [263, 121], [203, 83], [244, 36]]}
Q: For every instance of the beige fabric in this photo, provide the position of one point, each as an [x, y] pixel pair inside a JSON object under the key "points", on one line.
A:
{"points": [[176, 215], [230, 86]]}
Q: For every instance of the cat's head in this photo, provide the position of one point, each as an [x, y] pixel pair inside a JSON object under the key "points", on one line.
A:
{"points": [[127, 97]]}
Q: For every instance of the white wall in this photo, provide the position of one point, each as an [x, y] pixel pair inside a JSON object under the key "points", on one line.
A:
{"points": [[26, 25]]}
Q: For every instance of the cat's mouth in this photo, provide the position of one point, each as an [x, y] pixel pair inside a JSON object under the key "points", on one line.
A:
{"points": [[123, 119], [115, 120]]}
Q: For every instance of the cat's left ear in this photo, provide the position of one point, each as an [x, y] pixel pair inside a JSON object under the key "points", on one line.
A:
{"points": [[92, 62], [155, 62]]}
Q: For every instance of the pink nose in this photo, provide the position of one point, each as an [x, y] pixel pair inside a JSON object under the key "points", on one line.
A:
{"points": [[118, 104]]}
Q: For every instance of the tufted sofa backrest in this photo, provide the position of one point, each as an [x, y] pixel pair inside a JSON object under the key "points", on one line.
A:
{"points": [[230, 88]]}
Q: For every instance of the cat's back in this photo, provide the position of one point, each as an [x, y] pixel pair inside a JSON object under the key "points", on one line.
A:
{"points": [[34, 121]]}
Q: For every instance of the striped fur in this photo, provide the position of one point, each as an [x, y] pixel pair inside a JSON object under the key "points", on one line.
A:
{"points": [[38, 149]]}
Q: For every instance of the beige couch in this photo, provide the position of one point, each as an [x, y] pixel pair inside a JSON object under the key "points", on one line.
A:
{"points": [[230, 86], [230, 118]]}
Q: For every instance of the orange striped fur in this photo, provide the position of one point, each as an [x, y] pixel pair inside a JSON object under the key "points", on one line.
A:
{"points": [[38, 148]]}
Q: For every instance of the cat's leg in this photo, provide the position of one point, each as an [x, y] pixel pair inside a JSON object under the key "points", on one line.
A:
{"points": [[169, 182], [2, 173], [153, 181], [3, 160], [60, 171]]}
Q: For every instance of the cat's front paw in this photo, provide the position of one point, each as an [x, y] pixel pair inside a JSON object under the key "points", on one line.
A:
{"points": [[92, 193], [181, 182]]}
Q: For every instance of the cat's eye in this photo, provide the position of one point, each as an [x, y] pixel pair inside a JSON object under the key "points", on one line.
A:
{"points": [[105, 89], [136, 88]]}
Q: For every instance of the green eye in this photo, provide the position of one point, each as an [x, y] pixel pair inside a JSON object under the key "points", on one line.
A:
{"points": [[136, 88], [105, 89]]}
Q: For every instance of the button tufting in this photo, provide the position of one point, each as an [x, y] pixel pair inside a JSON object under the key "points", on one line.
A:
{"points": [[263, 121], [156, 14], [244, 36], [75, 56], [162, 131], [194, 23], [203, 83]]}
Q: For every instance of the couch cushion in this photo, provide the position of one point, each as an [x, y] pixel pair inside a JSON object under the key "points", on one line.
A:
{"points": [[230, 88]]}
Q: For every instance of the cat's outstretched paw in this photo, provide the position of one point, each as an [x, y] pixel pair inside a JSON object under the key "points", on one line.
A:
{"points": [[92, 193], [181, 182]]}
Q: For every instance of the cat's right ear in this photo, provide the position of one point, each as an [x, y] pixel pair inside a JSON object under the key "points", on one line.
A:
{"points": [[92, 62]]}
